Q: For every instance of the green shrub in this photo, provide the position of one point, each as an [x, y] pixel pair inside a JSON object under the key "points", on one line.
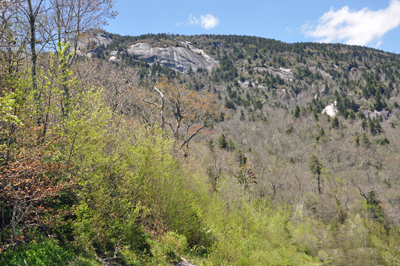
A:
{"points": [[45, 253]]}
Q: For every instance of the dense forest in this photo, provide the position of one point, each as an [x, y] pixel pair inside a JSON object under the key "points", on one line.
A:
{"points": [[282, 154]]}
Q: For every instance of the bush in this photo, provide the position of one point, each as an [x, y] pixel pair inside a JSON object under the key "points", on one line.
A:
{"points": [[44, 253]]}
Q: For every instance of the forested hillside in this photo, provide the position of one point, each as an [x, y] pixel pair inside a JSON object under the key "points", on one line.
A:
{"points": [[278, 154]]}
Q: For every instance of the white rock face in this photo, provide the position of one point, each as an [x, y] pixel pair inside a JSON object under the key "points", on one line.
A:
{"points": [[283, 73], [201, 52], [179, 58], [331, 109], [114, 59], [375, 114], [88, 55], [314, 70], [101, 38]]}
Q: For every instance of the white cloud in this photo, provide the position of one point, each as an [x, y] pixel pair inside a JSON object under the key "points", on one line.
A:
{"points": [[363, 27], [207, 21], [192, 20], [289, 30]]}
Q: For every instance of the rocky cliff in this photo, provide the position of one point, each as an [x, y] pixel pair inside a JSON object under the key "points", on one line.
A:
{"points": [[179, 58]]}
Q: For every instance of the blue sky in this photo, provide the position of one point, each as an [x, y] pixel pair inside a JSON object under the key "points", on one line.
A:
{"points": [[368, 23]]}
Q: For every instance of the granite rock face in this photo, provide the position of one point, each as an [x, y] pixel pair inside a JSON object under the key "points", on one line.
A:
{"points": [[376, 114], [284, 73], [179, 58], [101, 38], [98, 38], [331, 109]]}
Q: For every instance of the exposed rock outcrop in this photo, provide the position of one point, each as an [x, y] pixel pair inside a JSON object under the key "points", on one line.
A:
{"points": [[284, 73], [179, 58], [114, 59], [325, 75], [92, 38], [331, 109], [375, 114]]}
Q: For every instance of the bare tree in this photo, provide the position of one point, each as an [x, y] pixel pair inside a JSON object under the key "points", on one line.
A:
{"points": [[12, 42]]}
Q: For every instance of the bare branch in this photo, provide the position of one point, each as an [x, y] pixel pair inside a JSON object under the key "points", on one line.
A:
{"points": [[150, 102], [194, 134]]}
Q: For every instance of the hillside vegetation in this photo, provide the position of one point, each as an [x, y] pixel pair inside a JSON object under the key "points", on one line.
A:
{"points": [[129, 163]]}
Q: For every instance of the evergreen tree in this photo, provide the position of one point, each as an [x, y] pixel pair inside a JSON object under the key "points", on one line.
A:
{"points": [[242, 117], [326, 90], [357, 140], [378, 105], [315, 115], [372, 126], [364, 124], [222, 142], [322, 132], [352, 115], [315, 168], [297, 111], [365, 140], [335, 123], [374, 206]]}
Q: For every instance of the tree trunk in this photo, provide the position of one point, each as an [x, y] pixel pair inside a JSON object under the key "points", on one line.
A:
{"points": [[3, 223], [32, 25], [14, 220], [32, 16]]}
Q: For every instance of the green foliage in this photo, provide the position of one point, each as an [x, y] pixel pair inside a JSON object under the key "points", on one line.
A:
{"points": [[357, 141], [297, 112], [315, 115], [252, 234], [374, 207], [225, 143], [365, 140], [138, 199], [378, 105], [122, 182], [314, 165], [43, 253], [364, 124], [382, 141], [335, 123], [8, 103]]}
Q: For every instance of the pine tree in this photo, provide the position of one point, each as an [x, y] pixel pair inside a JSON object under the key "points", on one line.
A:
{"points": [[372, 127], [222, 142], [357, 140], [365, 140], [297, 111], [322, 132], [378, 103], [315, 168], [364, 124], [242, 117], [335, 123], [315, 115]]}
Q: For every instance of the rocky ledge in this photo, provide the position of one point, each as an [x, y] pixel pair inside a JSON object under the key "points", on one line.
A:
{"points": [[179, 58]]}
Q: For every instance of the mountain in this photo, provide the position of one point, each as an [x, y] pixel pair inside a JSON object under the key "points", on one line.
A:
{"points": [[232, 150], [307, 73]]}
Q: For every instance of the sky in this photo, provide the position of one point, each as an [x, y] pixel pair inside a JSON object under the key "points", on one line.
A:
{"points": [[372, 23]]}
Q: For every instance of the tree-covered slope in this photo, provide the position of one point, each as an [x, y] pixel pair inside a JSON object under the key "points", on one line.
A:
{"points": [[110, 158]]}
